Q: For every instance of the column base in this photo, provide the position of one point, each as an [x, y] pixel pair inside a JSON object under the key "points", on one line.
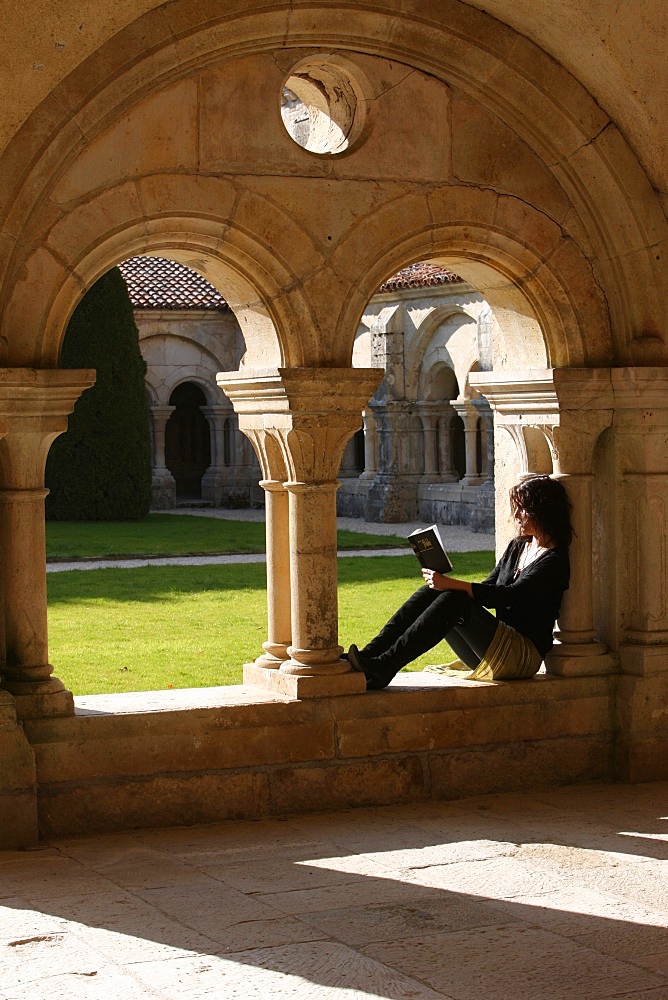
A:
{"points": [[40, 699], [304, 685], [269, 662], [587, 659]]}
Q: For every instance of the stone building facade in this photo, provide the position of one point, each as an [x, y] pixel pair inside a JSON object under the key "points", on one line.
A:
{"points": [[426, 446], [523, 147]]}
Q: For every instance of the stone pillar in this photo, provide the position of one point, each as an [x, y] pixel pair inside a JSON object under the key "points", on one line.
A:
{"points": [[640, 566], [570, 407], [279, 620], [446, 472], [469, 415], [487, 417], [349, 468], [393, 494], [482, 515], [277, 533], [215, 476], [33, 408], [370, 456], [315, 649], [429, 415], [163, 485], [309, 414]]}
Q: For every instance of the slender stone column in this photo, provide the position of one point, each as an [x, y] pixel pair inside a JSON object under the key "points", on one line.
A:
{"points": [[277, 533], [279, 626], [27, 673], [315, 648], [214, 478], [308, 414], [161, 415], [370, 459], [34, 406], [470, 418], [578, 649], [576, 621], [429, 415], [163, 485]]}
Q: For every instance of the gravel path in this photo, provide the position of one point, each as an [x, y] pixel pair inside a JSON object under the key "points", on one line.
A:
{"points": [[456, 538]]}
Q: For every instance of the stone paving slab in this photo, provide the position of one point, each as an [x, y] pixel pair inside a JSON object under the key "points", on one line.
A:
{"points": [[555, 895]]}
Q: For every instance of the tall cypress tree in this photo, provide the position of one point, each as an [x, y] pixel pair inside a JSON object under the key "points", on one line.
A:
{"points": [[100, 469]]}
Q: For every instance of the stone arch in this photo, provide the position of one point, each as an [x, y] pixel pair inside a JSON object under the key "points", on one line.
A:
{"points": [[243, 271], [195, 376], [415, 355], [440, 382], [545, 319], [613, 214]]}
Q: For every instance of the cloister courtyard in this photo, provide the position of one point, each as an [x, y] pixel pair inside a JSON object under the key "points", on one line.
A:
{"points": [[457, 838]]}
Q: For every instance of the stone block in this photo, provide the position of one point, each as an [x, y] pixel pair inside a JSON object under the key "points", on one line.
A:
{"points": [[487, 153], [347, 785], [304, 686], [18, 785], [159, 133], [475, 725], [163, 800], [519, 765]]}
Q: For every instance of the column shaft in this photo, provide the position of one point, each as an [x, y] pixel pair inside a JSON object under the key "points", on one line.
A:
{"points": [[279, 627], [315, 648]]}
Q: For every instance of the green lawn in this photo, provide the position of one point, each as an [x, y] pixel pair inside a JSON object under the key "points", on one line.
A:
{"points": [[174, 535], [193, 626]]}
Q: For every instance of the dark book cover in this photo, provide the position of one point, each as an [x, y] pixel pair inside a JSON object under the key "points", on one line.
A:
{"points": [[428, 547]]}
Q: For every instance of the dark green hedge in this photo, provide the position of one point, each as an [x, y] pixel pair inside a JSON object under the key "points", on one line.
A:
{"points": [[100, 469]]}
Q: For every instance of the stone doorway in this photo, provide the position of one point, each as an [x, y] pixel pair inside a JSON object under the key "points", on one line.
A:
{"points": [[187, 441]]}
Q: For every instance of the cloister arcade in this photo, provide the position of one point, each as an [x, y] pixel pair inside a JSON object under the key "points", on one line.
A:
{"points": [[426, 447], [527, 176]]}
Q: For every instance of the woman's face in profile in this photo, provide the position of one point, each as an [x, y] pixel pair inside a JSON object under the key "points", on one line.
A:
{"points": [[525, 523]]}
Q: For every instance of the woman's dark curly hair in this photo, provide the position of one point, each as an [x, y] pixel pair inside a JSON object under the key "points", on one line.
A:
{"points": [[545, 501]]}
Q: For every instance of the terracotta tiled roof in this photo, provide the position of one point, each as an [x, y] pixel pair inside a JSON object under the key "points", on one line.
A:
{"points": [[156, 283], [419, 276]]}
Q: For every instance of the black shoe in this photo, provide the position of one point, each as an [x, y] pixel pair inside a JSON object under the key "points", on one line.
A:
{"points": [[373, 681], [354, 659]]}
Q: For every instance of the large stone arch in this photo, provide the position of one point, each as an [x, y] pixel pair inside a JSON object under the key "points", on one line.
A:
{"points": [[585, 180], [244, 271], [546, 315]]}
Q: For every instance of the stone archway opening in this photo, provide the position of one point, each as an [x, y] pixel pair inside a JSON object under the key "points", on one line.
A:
{"points": [[427, 432], [187, 442]]}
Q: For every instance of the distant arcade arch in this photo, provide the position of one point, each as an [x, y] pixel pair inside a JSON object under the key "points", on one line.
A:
{"points": [[187, 441]]}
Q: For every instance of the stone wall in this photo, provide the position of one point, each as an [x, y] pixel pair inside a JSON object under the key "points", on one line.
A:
{"points": [[425, 738]]}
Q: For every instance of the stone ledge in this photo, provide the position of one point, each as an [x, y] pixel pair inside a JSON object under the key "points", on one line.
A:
{"points": [[235, 752]]}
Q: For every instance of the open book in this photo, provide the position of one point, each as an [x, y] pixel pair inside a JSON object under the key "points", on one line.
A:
{"points": [[428, 547]]}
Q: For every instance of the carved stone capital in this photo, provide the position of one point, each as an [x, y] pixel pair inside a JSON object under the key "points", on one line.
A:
{"points": [[309, 413], [34, 406]]}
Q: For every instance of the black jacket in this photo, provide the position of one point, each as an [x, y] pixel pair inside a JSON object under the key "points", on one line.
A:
{"points": [[528, 602]]}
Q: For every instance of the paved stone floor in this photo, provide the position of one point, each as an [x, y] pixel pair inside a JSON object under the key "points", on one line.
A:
{"points": [[543, 896]]}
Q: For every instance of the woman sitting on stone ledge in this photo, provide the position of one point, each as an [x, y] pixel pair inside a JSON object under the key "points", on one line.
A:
{"points": [[525, 587]]}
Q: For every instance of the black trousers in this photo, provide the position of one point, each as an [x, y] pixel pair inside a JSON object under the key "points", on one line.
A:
{"points": [[427, 617]]}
